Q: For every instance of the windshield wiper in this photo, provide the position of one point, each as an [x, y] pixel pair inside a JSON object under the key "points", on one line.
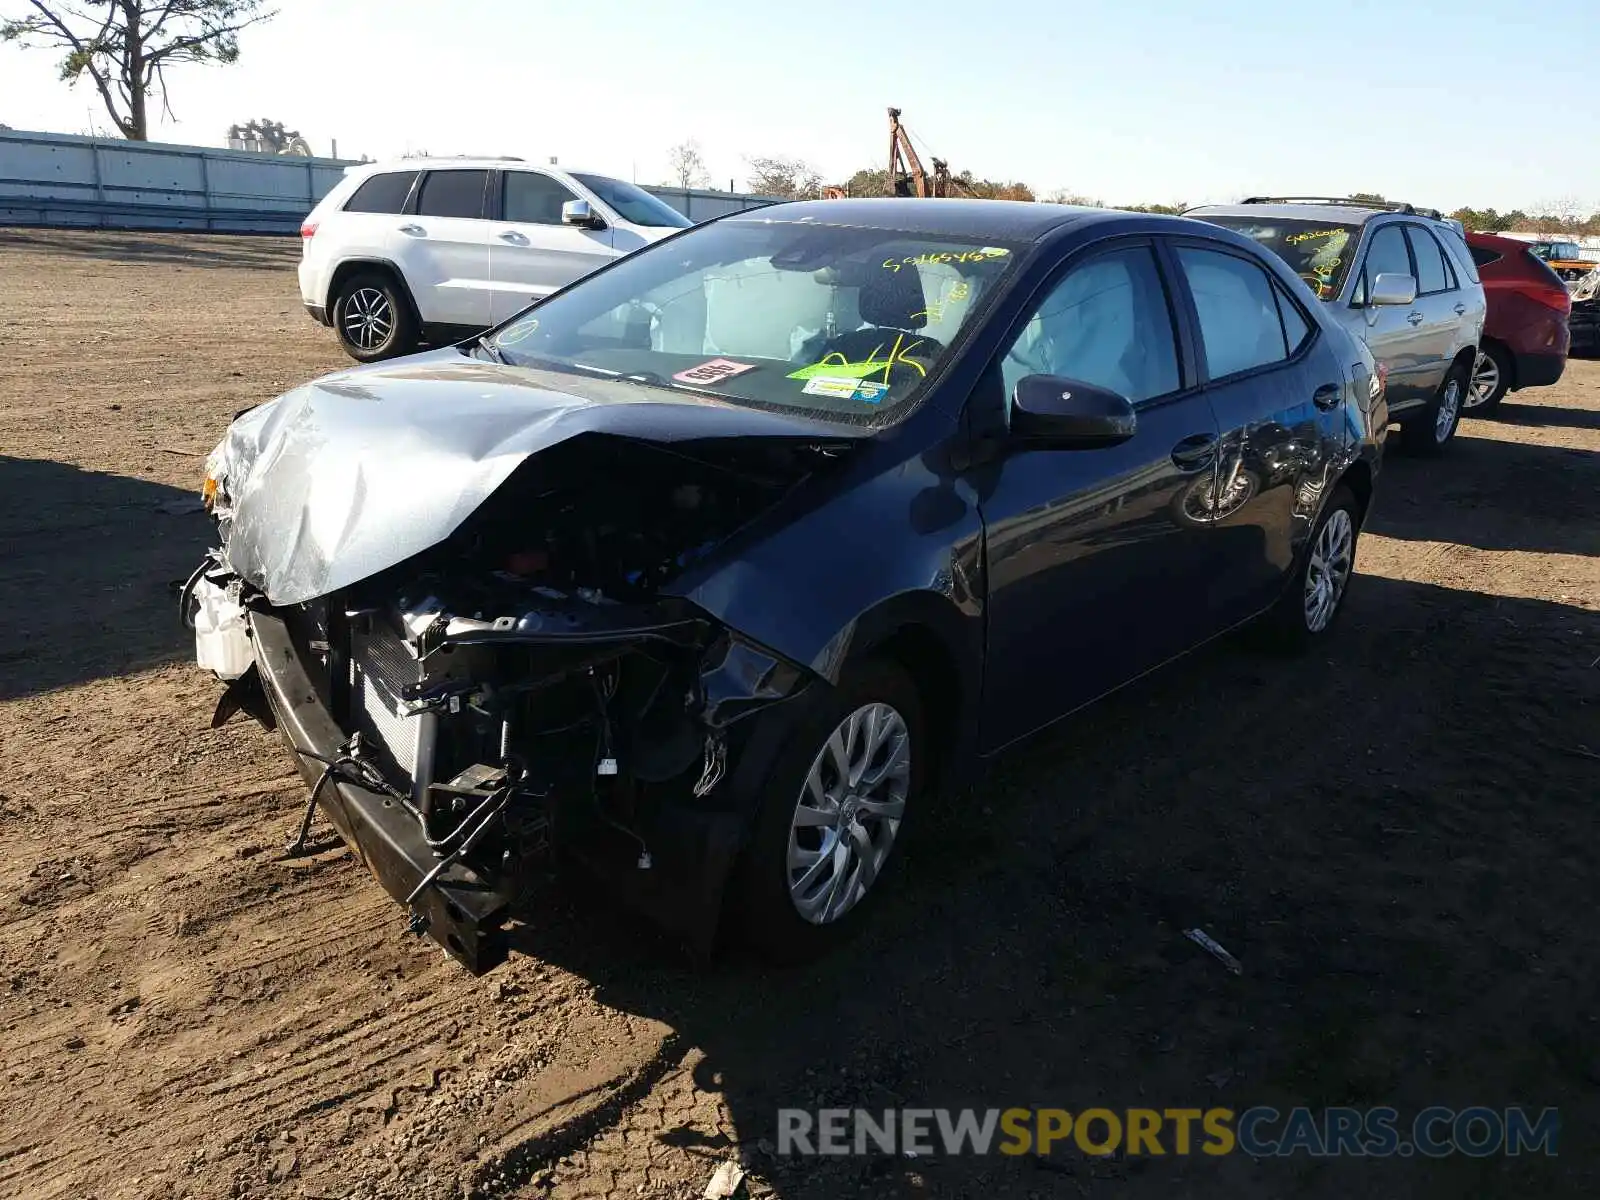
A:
{"points": [[494, 352]]}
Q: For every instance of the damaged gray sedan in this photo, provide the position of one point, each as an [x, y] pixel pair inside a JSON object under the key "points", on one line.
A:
{"points": [[705, 570]]}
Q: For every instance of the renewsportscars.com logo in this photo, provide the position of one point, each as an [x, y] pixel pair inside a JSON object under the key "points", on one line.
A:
{"points": [[1260, 1132]]}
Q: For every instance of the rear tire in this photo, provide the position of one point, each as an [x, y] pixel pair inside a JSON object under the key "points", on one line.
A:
{"points": [[1491, 379], [1315, 597], [1430, 431], [373, 317], [808, 808]]}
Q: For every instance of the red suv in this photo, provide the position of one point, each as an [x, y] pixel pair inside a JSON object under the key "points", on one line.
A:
{"points": [[1525, 337]]}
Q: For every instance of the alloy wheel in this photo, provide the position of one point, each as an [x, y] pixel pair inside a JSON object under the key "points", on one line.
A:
{"points": [[1328, 571], [368, 318], [1444, 420], [1485, 380], [848, 813]]}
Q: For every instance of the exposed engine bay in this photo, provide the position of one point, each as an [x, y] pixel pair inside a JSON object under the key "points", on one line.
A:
{"points": [[526, 682]]}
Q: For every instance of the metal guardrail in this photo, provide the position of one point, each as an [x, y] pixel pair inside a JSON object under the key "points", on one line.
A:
{"points": [[56, 179]]}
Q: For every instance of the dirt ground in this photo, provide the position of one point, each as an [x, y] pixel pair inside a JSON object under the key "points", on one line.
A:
{"points": [[1396, 836]]}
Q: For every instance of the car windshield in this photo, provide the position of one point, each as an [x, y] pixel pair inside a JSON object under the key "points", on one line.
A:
{"points": [[843, 324], [1317, 251], [634, 204]]}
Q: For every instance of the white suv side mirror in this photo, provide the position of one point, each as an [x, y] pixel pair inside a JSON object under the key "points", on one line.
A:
{"points": [[582, 214]]}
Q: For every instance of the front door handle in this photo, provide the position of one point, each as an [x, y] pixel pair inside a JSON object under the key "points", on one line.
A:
{"points": [[1195, 452], [515, 238], [414, 230], [1414, 318], [1461, 310], [1327, 396]]}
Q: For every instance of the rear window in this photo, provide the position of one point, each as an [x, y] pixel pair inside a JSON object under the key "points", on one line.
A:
{"points": [[1317, 251], [383, 193], [452, 194]]}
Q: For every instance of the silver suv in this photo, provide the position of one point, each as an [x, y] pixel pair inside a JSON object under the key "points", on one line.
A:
{"points": [[1399, 278]]}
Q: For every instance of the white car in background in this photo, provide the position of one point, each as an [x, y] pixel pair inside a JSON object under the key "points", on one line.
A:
{"points": [[434, 250]]}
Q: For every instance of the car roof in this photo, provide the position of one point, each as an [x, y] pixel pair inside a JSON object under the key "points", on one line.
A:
{"points": [[1497, 241], [1327, 214], [1017, 220], [487, 163]]}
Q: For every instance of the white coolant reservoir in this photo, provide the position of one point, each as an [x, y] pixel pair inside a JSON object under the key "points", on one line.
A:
{"points": [[221, 638]]}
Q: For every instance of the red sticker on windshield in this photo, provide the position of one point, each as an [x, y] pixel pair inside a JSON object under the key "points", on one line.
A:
{"points": [[715, 371]]}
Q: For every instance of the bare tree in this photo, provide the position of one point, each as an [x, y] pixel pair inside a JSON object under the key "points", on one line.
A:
{"points": [[790, 178], [688, 168], [125, 46]]}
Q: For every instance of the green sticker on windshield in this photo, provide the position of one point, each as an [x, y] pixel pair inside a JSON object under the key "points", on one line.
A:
{"points": [[835, 365]]}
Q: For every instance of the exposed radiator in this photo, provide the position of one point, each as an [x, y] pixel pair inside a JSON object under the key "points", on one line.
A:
{"points": [[400, 743]]}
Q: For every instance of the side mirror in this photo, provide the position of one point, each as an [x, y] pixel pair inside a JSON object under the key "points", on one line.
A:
{"points": [[581, 214], [1070, 414], [1391, 287]]}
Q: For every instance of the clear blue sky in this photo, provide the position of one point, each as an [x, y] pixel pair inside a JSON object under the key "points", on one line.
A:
{"points": [[1467, 102]]}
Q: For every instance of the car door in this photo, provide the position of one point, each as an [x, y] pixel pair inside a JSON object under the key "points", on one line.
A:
{"points": [[1394, 332], [443, 248], [532, 252], [1439, 300], [1278, 391], [1091, 578]]}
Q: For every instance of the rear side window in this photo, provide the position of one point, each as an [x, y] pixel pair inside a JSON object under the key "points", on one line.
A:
{"points": [[533, 199], [1432, 273], [1482, 257], [452, 194], [1295, 326], [1458, 253], [384, 193], [1240, 325]]}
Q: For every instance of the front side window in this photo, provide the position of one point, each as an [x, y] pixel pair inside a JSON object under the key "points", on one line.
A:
{"points": [[533, 199], [1432, 273], [634, 204], [452, 194], [844, 324], [1317, 251], [383, 193], [1107, 323], [1240, 327], [1386, 255]]}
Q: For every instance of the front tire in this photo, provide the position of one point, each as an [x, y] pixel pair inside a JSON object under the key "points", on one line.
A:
{"points": [[1491, 378], [373, 318], [1431, 430], [832, 809]]}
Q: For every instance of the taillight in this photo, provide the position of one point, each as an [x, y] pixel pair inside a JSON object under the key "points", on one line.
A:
{"points": [[1557, 298], [308, 229]]}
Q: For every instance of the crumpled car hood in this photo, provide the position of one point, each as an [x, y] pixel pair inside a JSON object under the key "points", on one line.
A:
{"points": [[335, 481]]}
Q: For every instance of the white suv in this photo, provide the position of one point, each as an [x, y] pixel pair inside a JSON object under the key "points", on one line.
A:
{"points": [[434, 250]]}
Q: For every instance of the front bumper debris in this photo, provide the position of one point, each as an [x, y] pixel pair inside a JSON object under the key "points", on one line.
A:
{"points": [[461, 910]]}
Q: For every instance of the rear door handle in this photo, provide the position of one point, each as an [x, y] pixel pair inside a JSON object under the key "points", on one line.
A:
{"points": [[1461, 310], [515, 238], [1327, 396], [414, 230], [1414, 318], [1195, 452]]}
